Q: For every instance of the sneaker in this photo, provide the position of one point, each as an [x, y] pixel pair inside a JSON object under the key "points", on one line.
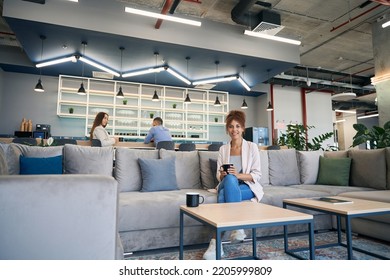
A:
{"points": [[210, 253], [237, 236]]}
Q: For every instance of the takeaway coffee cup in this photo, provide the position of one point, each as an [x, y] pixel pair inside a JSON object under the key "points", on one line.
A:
{"points": [[194, 199], [226, 167]]}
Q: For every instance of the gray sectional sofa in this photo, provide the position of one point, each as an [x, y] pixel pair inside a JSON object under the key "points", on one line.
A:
{"points": [[152, 185]]}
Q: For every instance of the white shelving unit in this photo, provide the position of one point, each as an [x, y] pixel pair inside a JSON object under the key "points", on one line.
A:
{"points": [[133, 119]]}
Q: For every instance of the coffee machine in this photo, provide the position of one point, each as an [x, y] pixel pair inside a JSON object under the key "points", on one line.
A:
{"points": [[42, 131]]}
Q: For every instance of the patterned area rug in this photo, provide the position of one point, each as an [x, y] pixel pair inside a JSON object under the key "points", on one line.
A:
{"points": [[273, 249]]}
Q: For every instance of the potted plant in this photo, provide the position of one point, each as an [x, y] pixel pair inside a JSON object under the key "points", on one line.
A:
{"points": [[174, 105], [296, 137], [124, 101], [71, 110], [379, 137], [216, 119], [151, 115]]}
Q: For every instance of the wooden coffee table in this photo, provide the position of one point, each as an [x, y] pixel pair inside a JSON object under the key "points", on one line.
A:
{"points": [[244, 215], [358, 208]]}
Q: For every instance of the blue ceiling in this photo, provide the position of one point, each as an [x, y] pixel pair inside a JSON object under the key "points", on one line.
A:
{"points": [[62, 41]]}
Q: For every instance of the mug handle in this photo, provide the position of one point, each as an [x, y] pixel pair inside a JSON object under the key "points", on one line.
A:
{"points": [[200, 202]]}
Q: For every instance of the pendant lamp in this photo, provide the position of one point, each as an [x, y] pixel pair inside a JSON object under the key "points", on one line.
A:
{"points": [[244, 105], [187, 100], [270, 108], [217, 103], [120, 92], [155, 97], [39, 86], [81, 90]]}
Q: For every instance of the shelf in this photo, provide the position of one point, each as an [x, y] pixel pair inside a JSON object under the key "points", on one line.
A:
{"points": [[133, 118]]}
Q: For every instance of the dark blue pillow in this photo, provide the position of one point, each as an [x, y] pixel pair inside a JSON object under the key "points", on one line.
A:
{"points": [[34, 165], [158, 174]]}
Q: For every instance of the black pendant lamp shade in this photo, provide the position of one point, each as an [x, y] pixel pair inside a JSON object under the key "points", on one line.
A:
{"points": [[120, 93], [155, 96], [81, 90], [39, 87], [244, 105], [217, 103], [188, 99], [270, 108]]}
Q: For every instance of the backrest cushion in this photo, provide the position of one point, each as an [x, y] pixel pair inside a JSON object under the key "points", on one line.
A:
{"points": [[127, 169], [88, 160], [309, 162], [283, 167], [264, 180], [187, 168], [368, 168], [207, 176], [29, 151], [3, 163]]}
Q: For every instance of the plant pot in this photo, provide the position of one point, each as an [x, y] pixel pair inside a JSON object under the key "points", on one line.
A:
{"points": [[216, 119], [124, 102], [174, 106], [151, 115], [71, 110]]}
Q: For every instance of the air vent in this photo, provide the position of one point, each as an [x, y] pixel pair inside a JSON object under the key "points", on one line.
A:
{"points": [[102, 75], [270, 23], [344, 96]]}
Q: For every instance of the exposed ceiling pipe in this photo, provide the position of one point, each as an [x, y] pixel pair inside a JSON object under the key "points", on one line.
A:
{"points": [[239, 13], [174, 6], [352, 19], [164, 11]]}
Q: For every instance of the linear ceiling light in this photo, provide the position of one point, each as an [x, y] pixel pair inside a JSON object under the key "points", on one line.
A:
{"points": [[215, 80], [386, 24], [245, 85], [161, 16], [142, 72], [101, 67], [368, 116], [346, 111], [270, 37], [177, 75], [57, 61]]}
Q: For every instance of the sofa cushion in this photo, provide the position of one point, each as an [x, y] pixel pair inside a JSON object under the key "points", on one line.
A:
{"points": [[158, 174], [309, 162], [214, 167], [283, 167], [368, 168], [206, 175], [388, 168], [264, 180], [127, 170], [29, 151], [187, 168], [45, 165], [88, 160], [3, 163], [334, 171]]}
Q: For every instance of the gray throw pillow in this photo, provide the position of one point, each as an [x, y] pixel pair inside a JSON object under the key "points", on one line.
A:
{"points": [[88, 160], [158, 174], [283, 167], [187, 168], [206, 175], [213, 167]]}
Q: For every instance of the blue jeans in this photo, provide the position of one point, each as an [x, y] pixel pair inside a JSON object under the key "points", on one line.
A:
{"points": [[230, 190]]}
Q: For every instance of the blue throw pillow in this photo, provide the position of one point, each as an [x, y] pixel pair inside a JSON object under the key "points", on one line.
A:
{"points": [[158, 174], [34, 165]]}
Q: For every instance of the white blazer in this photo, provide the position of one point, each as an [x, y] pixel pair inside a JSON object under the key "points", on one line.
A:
{"points": [[101, 133], [250, 157]]}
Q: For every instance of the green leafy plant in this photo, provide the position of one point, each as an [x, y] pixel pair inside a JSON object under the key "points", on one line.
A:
{"points": [[378, 137], [296, 137], [174, 106], [124, 101], [71, 110]]}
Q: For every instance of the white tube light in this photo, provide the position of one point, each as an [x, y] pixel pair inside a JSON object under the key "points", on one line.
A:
{"points": [[340, 121], [242, 82], [161, 16], [177, 75], [386, 24], [215, 80], [368, 116], [56, 61], [270, 37], [101, 67], [142, 72], [346, 111]]}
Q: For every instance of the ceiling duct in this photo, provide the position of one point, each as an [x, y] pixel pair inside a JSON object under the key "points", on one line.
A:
{"points": [[264, 21]]}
